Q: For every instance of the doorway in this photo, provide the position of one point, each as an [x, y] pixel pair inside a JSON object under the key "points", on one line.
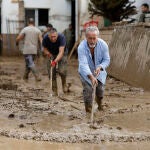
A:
{"points": [[43, 17], [39, 15]]}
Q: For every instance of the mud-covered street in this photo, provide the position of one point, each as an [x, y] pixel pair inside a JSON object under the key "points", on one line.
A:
{"points": [[27, 111]]}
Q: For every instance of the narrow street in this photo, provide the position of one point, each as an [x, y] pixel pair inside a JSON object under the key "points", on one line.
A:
{"points": [[28, 112]]}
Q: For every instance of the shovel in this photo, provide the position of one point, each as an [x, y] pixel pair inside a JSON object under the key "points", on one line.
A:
{"points": [[93, 100], [51, 79]]}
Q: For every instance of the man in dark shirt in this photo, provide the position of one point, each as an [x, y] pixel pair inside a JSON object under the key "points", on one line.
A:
{"points": [[54, 46]]}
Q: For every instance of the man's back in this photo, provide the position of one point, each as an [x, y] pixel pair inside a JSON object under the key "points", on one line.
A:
{"points": [[31, 38]]}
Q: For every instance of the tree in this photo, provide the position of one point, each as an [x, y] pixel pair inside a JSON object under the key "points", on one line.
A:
{"points": [[114, 10]]}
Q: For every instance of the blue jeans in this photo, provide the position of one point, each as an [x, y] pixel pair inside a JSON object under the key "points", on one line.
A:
{"points": [[29, 60]]}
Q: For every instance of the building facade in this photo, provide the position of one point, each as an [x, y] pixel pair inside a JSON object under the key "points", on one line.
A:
{"points": [[60, 13]]}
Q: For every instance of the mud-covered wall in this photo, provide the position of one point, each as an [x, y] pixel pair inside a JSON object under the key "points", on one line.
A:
{"points": [[130, 55], [9, 45], [106, 34]]}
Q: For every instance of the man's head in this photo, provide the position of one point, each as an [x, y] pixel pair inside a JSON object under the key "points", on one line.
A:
{"points": [[49, 27], [92, 33], [53, 35], [31, 21], [144, 7]]}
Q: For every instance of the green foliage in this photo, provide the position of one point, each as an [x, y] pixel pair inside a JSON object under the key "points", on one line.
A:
{"points": [[114, 10]]}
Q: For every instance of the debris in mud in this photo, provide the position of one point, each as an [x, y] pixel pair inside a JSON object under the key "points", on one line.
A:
{"points": [[115, 95], [53, 113], [31, 123], [23, 117], [11, 116], [73, 117], [94, 126], [8, 86], [119, 128], [3, 73], [21, 126]]}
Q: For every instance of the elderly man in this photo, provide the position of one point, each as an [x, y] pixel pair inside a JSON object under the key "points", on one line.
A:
{"points": [[54, 45], [93, 56]]}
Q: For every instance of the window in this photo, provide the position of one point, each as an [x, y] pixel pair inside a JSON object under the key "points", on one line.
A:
{"points": [[39, 15]]}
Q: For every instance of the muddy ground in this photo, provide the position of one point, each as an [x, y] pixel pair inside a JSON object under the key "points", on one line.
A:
{"points": [[27, 111]]}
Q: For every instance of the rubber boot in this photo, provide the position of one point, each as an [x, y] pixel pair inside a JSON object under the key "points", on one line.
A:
{"points": [[26, 74], [36, 74], [99, 103], [64, 86], [88, 107]]}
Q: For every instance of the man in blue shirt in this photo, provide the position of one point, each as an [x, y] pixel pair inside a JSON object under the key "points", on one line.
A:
{"points": [[54, 45], [93, 57]]}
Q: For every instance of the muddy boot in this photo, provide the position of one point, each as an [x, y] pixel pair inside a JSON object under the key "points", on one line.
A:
{"points": [[36, 74], [54, 87], [26, 74], [64, 86], [88, 107], [99, 103]]}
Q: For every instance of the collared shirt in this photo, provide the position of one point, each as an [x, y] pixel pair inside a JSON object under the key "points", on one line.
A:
{"points": [[101, 58]]}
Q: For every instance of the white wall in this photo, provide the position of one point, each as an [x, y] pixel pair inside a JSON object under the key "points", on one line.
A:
{"points": [[59, 11], [84, 17], [9, 11]]}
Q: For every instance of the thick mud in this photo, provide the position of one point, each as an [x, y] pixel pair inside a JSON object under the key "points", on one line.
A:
{"points": [[14, 144], [27, 111]]}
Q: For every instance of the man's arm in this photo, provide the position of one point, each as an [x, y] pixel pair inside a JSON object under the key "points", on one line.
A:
{"points": [[45, 49], [19, 37], [46, 52]]}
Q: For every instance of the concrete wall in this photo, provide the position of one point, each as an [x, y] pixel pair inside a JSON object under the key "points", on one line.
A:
{"points": [[130, 55], [106, 34], [84, 15], [9, 45]]}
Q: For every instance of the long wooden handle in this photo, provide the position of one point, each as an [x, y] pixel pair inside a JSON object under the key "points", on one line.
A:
{"points": [[51, 78], [93, 100]]}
